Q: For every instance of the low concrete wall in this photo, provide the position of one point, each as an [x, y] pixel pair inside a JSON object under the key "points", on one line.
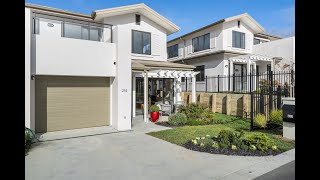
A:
{"points": [[230, 104], [289, 130]]}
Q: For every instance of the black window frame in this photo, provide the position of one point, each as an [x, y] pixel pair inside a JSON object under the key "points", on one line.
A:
{"points": [[196, 41], [254, 41], [176, 54], [138, 19], [234, 44], [132, 42], [201, 76]]}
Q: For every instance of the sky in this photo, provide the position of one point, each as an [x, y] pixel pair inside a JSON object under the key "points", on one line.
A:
{"points": [[276, 16]]}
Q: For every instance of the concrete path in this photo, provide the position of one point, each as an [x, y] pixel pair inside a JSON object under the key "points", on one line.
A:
{"points": [[128, 155]]}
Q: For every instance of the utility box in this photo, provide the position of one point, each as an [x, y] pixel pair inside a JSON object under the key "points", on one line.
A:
{"points": [[288, 108]]}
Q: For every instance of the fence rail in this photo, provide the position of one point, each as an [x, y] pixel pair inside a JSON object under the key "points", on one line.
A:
{"points": [[246, 83]]}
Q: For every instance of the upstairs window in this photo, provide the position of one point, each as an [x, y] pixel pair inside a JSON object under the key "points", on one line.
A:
{"points": [[138, 19], [256, 41], [141, 42], [200, 76], [201, 43], [173, 51], [238, 39]]}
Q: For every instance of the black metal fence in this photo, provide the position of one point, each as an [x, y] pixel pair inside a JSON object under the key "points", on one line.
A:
{"points": [[269, 92], [246, 83]]}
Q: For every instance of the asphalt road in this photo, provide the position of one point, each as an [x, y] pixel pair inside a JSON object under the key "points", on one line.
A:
{"points": [[285, 172]]}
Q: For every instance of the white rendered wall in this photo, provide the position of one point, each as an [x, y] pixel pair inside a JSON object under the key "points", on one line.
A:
{"points": [[76, 57], [158, 35], [121, 85], [284, 48], [29, 84], [228, 27]]}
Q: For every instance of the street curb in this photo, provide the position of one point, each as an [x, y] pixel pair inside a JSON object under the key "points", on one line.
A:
{"points": [[258, 169]]}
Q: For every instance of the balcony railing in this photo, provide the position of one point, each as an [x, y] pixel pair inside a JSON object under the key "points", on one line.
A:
{"points": [[74, 28]]}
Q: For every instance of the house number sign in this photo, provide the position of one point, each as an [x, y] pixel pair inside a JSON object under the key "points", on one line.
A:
{"points": [[50, 25], [124, 90]]}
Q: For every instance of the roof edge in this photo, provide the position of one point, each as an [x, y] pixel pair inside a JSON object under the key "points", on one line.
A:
{"points": [[56, 10], [197, 30]]}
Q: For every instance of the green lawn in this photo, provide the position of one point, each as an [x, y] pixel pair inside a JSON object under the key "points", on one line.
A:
{"points": [[181, 135]]}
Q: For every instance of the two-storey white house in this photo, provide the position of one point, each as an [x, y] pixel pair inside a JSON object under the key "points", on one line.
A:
{"points": [[94, 70], [224, 48]]}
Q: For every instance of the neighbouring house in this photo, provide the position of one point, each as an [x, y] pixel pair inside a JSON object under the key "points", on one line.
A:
{"points": [[97, 70], [284, 48], [225, 48]]}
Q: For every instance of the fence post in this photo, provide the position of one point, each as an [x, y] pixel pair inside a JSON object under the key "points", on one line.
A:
{"points": [[270, 91], [233, 82], [250, 77], [218, 83], [186, 81], [261, 103], [279, 97], [206, 83], [229, 81], [251, 111]]}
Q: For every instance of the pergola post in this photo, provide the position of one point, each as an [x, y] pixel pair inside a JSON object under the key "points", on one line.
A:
{"points": [[248, 73], [133, 96], [145, 104], [193, 93]]}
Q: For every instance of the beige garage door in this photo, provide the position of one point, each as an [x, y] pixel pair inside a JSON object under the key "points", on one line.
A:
{"points": [[71, 102]]}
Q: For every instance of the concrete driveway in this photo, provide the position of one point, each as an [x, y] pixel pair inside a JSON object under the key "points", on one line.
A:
{"points": [[129, 155]]}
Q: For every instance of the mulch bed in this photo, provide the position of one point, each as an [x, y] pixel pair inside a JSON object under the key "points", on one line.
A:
{"points": [[229, 151], [269, 127], [166, 124]]}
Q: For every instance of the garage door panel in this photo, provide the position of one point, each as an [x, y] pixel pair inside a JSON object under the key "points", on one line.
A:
{"points": [[73, 102]]}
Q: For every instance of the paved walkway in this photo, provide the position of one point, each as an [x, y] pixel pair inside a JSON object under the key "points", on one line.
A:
{"points": [[129, 155]]}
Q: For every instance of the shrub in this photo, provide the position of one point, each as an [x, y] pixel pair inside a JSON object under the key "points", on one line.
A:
{"points": [[207, 117], [260, 121], [244, 146], [223, 145], [276, 117], [228, 137], [193, 110], [28, 139], [215, 145], [154, 108], [194, 122], [177, 119], [261, 141]]}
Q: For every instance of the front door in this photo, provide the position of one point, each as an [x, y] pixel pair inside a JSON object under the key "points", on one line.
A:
{"points": [[240, 77]]}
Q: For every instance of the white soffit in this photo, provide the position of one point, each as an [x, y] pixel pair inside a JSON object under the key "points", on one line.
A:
{"points": [[141, 9], [247, 19]]}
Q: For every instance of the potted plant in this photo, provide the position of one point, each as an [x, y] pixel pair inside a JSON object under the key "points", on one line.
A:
{"points": [[154, 113]]}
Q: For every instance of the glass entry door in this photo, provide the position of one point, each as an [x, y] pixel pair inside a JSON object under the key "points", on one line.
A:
{"points": [[160, 90], [240, 79]]}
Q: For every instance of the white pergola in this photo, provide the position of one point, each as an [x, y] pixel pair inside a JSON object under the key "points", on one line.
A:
{"points": [[252, 59], [175, 74]]}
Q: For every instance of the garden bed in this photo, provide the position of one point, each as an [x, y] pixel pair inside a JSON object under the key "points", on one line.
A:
{"points": [[229, 151]]}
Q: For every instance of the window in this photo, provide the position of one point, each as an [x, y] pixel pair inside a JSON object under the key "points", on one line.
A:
{"points": [[137, 19], [201, 43], [35, 25], [173, 51], [82, 31], [256, 41], [200, 76], [141, 42], [238, 39]]}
